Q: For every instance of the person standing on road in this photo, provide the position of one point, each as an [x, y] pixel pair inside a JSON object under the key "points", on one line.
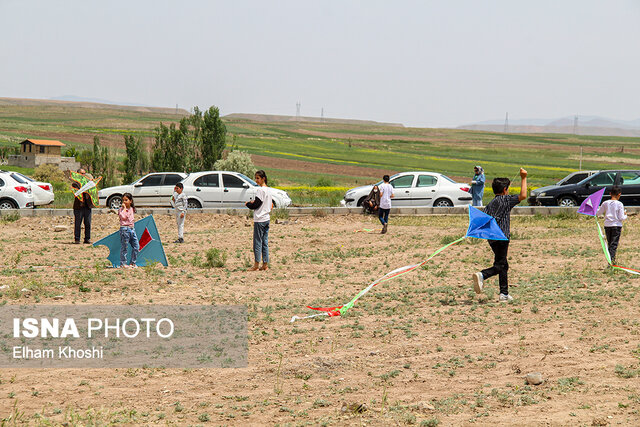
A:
{"points": [[81, 213], [477, 186], [386, 194]]}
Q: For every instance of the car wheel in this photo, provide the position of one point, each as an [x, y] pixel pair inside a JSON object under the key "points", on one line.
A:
{"points": [[114, 202], [360, 201], [567, 202], [443, 203], [8, 204], [193, 204]]}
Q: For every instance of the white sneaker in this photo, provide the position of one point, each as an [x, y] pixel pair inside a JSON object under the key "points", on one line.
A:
{"points": [[477, 282], [505, 298]]}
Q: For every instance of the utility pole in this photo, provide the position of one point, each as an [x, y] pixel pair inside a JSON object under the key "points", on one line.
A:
{"points": [[506, 123], [581, 157], [575, 125], [176, 108], [298, 110], [322, 114]]}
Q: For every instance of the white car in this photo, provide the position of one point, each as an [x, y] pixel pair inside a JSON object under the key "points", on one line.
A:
{"points": [[154, 189], [15, 192], [222, 189], [42, 191], [412, 189]]}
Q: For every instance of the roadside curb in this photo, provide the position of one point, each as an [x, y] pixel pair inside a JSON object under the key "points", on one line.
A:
{"points": [[303, 211]]}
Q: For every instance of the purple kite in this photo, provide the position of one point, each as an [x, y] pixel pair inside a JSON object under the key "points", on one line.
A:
{"points": [[591, 203]]}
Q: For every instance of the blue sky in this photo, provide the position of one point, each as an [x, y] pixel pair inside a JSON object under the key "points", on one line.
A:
{"points": [[421, 63]]}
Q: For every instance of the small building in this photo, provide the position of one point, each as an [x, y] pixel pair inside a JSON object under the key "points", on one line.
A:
{"points": [[36, 152]]}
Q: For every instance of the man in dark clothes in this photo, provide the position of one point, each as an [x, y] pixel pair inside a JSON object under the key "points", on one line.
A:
{"points": [[81, 213]]}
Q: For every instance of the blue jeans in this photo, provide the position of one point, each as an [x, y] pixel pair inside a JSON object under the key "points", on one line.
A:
{"points": [[261, 241], [383, 215], [128, 235]]}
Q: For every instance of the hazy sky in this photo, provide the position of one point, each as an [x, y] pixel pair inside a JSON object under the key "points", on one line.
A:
{"points": [[421, 63]]}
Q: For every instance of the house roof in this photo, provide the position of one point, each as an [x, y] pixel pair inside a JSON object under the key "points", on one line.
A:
{"points": [[48, 142]]}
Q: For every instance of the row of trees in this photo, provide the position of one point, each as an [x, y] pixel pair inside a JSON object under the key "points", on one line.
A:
{"points": [[196, 143]]}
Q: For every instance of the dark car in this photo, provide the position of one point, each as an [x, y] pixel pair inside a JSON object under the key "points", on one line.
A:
{"points": [[574, 194], [572, 178]]}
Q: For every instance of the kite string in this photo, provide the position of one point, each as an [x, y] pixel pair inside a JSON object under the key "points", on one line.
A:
{"points": [[395, 273]]}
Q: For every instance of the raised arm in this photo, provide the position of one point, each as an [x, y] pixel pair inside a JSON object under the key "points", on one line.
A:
{"points": [[523, 185]]}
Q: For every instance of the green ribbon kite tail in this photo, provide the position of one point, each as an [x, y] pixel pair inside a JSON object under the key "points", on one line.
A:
{"points": [[605, 248], [340, 310], [603, 242]]}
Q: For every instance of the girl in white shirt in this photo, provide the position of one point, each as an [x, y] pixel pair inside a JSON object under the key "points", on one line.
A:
{"points": [[261, 206]]}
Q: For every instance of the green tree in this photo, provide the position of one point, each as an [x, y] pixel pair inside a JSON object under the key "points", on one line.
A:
{"points": [[132, 159], [107, 168], [237, 161], [214, 134], [169, 150], [85, 158], [195, 144], [71, 152], [96, 167]]}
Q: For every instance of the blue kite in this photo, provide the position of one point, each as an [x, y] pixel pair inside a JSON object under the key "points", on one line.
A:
{"points": [[481, 226], [151, 250]]}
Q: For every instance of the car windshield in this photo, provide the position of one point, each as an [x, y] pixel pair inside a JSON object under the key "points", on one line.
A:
{"points": [[18, 178], [246, 178]]}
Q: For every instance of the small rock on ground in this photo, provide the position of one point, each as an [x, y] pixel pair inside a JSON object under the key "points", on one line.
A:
{"points": [[534, 378]]}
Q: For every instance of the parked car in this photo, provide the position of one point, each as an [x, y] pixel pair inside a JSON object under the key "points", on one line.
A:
{"points": [[42, 191], [572, 178], [574, 194], [15, 192], [416, 189], [215, 189], [154, 189]]}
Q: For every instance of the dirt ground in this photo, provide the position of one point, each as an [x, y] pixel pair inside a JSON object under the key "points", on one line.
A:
{"points": [[421, 349]]}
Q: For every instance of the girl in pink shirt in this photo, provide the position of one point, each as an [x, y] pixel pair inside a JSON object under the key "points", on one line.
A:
{"points": [[127, 232]]}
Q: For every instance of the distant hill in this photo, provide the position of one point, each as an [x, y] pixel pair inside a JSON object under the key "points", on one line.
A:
{"points": [[93, 105], [587, 125], [74, 98], [276, 118]]}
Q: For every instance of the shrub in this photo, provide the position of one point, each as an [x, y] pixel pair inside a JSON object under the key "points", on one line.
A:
{"points": [[324, 182], [215, 258], [12, 217], [237, 161], [280, 213], [48, 173]]}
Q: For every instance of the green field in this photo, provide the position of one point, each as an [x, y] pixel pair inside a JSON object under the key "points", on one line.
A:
{"points": [[340, 154]]}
